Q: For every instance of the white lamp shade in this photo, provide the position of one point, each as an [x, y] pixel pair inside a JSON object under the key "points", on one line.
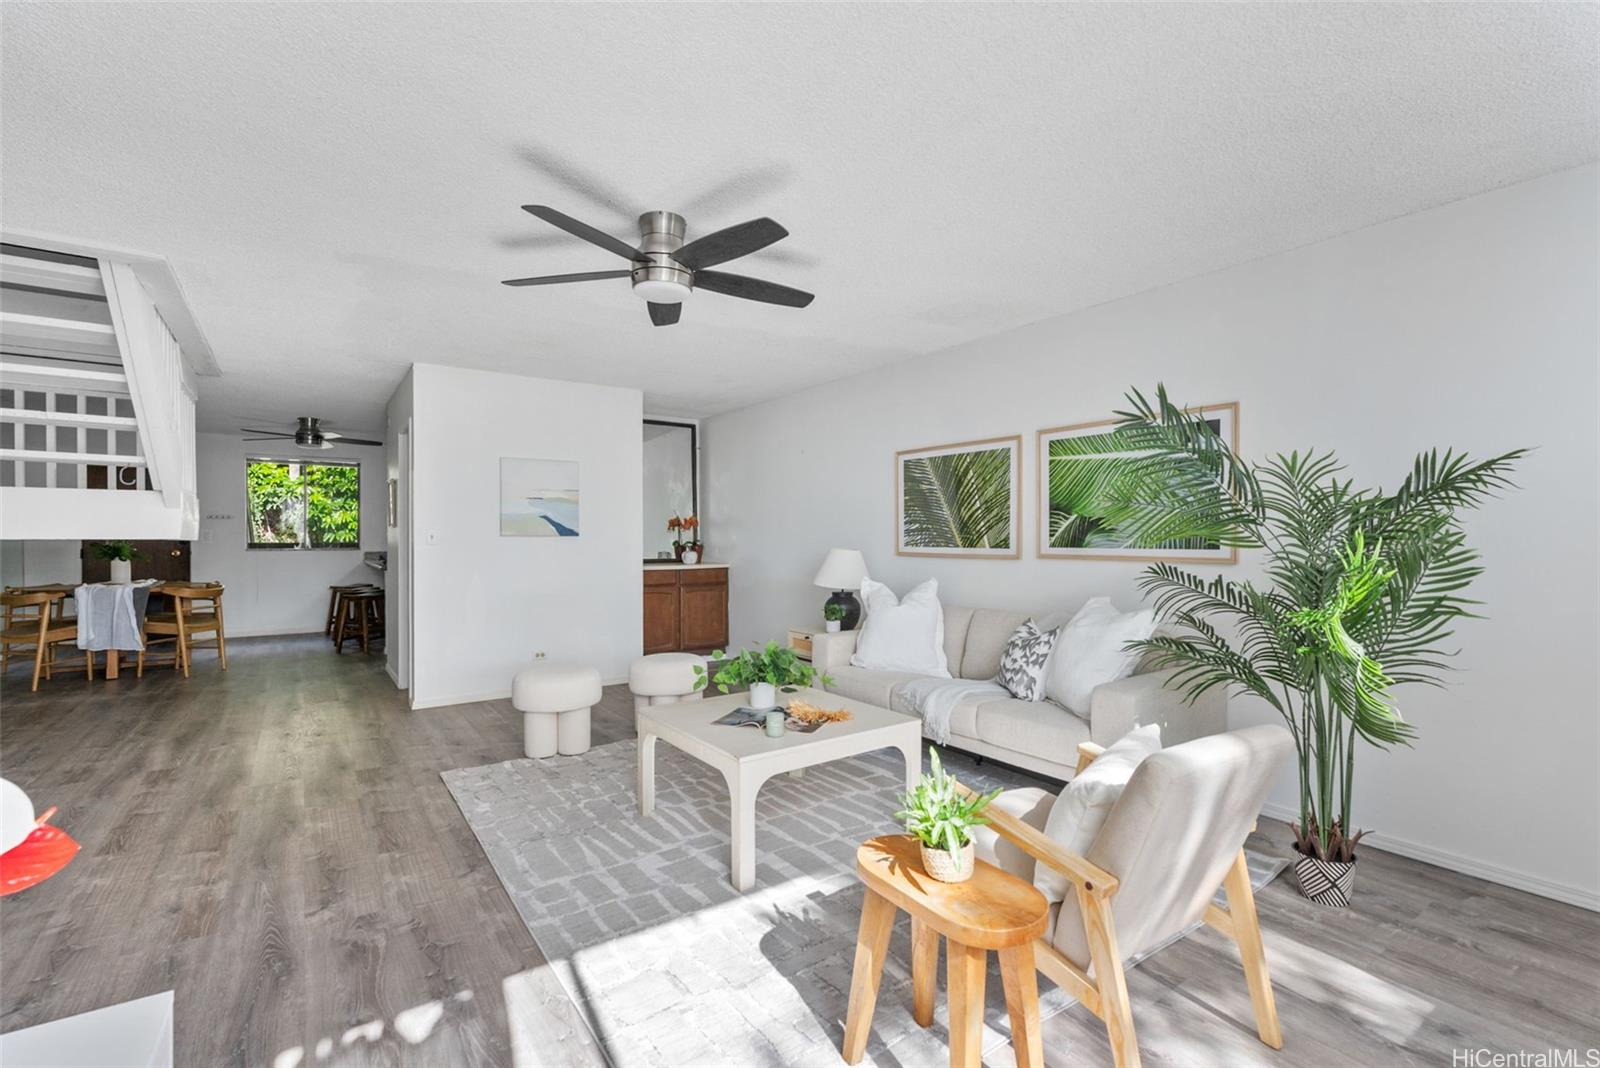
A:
{"points": [[842, 570]]}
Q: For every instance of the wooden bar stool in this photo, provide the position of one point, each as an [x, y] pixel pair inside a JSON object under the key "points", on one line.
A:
{"points": [[360, 611], [335, 595], [992, 910]]}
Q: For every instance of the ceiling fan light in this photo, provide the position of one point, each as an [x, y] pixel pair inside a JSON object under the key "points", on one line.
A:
{"points": [[660, 291]]}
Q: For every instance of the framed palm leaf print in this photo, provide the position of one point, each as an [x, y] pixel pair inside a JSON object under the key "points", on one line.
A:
{"points": [[963, 499], [1075, 462]]}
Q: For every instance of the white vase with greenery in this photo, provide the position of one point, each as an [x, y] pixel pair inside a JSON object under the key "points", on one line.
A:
{"points": [[120, 555], [1362, 587], [762, 671]]}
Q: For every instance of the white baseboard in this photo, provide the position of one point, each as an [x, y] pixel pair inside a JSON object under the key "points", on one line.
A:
{"points": [[1533, 884]]}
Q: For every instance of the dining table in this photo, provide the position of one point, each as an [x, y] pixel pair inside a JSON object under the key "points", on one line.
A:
{"points": [[61, 591]]}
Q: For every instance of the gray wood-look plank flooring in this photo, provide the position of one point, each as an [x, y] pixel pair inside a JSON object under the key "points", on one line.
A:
{"points": [[275, 844]]}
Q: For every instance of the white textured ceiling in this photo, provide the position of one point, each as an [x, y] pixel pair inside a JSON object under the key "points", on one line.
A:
{"points": [[337, 185]]}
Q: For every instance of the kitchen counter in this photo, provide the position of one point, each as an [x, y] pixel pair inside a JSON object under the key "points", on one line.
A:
{"points": [[673, 565]]}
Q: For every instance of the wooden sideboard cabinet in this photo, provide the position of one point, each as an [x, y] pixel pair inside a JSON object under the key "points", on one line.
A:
{"points": [[685, 608]]}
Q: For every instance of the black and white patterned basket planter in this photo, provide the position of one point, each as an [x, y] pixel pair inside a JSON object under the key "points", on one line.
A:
{"points": [[1327, 882]]}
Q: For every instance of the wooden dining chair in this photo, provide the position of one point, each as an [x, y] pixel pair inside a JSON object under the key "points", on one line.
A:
{"points": [[31, 619], [196, 610]]}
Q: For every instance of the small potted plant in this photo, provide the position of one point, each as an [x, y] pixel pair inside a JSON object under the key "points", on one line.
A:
{"points": [[121, 554], [833, 616], [692, 553], [763, 672], [942, 818]]}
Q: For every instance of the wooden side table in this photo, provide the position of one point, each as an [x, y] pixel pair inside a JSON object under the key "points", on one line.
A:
{"points": [[992, 910]]}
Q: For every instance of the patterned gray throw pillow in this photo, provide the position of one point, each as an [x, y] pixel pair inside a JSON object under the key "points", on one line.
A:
{"points": [[1023, 663]]}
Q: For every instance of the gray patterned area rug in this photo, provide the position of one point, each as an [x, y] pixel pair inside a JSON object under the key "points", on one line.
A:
{"points": [[669, 964]]}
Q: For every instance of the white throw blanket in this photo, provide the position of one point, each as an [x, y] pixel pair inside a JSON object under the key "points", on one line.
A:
{"points": [[110, 615], [934, 700]]}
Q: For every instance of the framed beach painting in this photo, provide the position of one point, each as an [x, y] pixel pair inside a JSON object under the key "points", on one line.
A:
{"points": [[538, 498], [963, 499], [1075, 462]]}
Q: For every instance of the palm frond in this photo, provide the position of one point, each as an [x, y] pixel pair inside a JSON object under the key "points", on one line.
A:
{"points": [[958, 500]]}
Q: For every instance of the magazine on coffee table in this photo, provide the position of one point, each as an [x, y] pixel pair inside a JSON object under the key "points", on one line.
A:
{"points": [[757, 717]]}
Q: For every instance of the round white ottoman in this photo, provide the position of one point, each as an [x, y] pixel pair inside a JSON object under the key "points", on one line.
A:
{"points": [[664, 679], [554, 700]]}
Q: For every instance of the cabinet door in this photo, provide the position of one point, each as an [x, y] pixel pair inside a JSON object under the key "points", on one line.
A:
{"points": [[661, 618], [703, 599]]}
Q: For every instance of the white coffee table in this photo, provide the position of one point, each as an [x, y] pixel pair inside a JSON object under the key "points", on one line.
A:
{"points": [[747, 757]]}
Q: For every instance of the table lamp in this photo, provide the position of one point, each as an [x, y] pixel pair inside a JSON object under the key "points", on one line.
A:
{"points": [[842, 572]]}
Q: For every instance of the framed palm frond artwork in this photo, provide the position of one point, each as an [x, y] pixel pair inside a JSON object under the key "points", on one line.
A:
{"points": [[1076, 463], [963, 499]]}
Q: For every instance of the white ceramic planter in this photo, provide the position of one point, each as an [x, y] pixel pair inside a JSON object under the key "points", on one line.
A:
{"points": [[833, 626], [763, 695], [691, 556], [948, 867], [122, 571]]}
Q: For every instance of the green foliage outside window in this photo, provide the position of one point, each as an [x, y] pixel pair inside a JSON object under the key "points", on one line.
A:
{"points": [[311, 506]]}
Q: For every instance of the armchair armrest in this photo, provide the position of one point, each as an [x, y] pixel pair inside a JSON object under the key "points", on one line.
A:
{"points": [[1088, 877], [832, 651], [1087, 751]]}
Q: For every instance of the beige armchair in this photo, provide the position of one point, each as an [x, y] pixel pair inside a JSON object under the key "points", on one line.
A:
{"points": [[1176, 834]]}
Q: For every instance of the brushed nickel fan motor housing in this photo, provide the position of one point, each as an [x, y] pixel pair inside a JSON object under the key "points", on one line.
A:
{"points": [[660, 235]]}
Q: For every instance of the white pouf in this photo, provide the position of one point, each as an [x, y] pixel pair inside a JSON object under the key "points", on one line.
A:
{"points": [[664, 679], [554, 700]]}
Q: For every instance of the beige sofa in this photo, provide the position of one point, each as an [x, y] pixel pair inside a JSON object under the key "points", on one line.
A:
{"points": [[1038, 736]]}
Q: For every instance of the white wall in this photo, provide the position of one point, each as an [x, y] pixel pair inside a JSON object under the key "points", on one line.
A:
{"points": [[39, 563], [276, 591], [1472, 325], [397, 608], [484, 604]]}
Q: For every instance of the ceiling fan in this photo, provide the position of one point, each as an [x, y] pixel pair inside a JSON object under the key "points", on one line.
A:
{"points": [[308, 434], [665, 270]]}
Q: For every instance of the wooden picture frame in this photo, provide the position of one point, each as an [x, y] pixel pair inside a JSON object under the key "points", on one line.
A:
{"points": [[1227, 419], [921, 538]]}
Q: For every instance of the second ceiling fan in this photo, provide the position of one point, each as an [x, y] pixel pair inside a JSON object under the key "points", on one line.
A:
{"points": [[665, 271]]}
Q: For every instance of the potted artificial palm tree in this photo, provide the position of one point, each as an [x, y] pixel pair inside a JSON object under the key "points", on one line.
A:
{"points": [[1361, 590]]}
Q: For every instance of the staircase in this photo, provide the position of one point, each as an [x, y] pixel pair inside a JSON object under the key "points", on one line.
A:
{"points": [[97, 431]]}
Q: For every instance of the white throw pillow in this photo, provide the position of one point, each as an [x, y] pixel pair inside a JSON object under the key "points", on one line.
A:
{"points": [[1023, 663], [1081, 810], [902, 634], [1089, 652]]}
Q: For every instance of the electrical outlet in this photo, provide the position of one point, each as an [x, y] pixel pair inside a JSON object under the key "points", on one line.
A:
{"points": [[539, 655]]}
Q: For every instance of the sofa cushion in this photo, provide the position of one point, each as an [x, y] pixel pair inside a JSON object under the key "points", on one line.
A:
{"points": [[902, 634], [956, 622], [1037, 728], [863, 684], [986, 642], [1091, 653], [1082, 808], [1022, 664]]}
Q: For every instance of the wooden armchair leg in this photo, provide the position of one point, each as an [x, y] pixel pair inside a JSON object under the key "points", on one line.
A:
{"points": [[1247, 933], [1108, 977]]}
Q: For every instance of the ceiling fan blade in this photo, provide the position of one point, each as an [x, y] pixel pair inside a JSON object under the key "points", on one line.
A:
{"points": [[275, 437], [552, 279], [737, 285], [272, 433], [585, 231], [729, 244], [353, 441], [665, 314]]}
